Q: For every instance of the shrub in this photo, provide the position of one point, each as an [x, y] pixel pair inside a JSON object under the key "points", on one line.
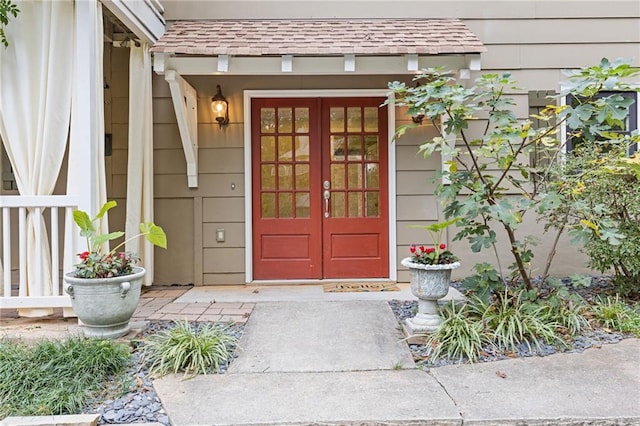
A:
{"points": [[56, 377], [601, 210], [190, 349], [484, 283]]}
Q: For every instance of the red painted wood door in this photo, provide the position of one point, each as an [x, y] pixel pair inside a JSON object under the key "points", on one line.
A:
{"points": [[319, 176]]}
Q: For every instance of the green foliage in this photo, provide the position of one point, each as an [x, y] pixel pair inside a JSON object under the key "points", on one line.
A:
{"points": [[484, 283], [616, 315], [601, 207], [489, 184], [183, 348], [96, 264], [56, 377], [461, 336], [7, 8]]}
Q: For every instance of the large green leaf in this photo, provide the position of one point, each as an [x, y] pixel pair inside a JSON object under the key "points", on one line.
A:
{"points": [[154, 234], [105, 208], [436, 227], [580, 114], [99, 239], [84, 222]]}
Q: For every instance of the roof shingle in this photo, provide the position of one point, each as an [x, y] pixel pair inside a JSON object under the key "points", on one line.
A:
{"points": [[313, 37]]}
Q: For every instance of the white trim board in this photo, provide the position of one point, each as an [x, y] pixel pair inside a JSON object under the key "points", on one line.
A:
{"points": [[143, 18], [330, 93], [311, 65]]}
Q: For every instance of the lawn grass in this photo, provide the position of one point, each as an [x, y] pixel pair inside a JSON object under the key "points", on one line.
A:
{"points": [[56, 377]]}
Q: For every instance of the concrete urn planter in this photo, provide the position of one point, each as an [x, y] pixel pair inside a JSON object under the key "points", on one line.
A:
{"points": [[105, 305], [428, 283]]}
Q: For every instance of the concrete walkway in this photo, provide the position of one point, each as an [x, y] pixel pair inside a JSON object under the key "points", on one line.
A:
{"points": [[342, 362]]}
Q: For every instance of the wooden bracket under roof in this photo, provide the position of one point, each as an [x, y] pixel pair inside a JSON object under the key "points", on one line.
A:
{"points": [[185, 100]]}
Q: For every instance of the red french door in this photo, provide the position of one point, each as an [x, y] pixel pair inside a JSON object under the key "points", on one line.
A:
{"points": [[319, 175]]}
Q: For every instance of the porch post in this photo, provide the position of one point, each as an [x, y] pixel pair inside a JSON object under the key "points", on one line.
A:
{"points": [[85, 177]]}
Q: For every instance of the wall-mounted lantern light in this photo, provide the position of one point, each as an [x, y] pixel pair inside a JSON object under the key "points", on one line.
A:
{"points": [[418, 118], [220, 107]]}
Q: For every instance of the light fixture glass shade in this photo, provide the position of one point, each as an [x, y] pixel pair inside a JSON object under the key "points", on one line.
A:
{"points": [[220, 107], [418, 118]]}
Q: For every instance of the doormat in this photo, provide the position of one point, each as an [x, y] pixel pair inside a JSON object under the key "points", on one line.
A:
{"points": [[355, 287]]}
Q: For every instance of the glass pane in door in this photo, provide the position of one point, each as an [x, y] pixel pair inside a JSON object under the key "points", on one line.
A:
{"points": [[284, 120], [337, 204], [371, 119], [354, 119], [337, 119], [267, 148], [373, 209], [267, 120], [302, 120]]}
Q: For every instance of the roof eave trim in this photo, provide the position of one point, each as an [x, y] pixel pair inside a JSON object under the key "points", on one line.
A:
{"points": [[313, 65]]}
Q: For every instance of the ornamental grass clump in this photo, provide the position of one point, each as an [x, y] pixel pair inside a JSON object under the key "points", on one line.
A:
{"points": [[568, 313], [497, 319], [461, 336], [191, 349], [95, 263], [514, 320], [614, 314], [57, 377]]}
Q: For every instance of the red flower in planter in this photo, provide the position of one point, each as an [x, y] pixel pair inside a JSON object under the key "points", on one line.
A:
{"points": [[437, 253]]}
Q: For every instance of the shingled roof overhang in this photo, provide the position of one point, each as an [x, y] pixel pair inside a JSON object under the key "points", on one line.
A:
{"points": [[316, 46]]}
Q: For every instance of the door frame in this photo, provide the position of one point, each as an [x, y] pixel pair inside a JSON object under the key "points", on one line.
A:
{"points": [[315, 93]]}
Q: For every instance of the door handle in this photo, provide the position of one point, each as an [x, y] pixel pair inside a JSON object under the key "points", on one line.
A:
{"points": [[327, 195]]}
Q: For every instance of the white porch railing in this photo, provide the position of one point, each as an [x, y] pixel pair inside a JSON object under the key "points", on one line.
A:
{"points": [[13, 282]]}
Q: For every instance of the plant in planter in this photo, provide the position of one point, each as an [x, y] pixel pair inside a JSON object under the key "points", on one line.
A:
{"points": [[430, 268], [105, 286]]}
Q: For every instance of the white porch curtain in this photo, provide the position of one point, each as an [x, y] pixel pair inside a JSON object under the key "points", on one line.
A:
{"points": [[88, 180], [35, 104], [140, 163]]}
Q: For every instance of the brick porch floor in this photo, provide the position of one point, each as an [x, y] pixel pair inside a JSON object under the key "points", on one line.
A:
{"points": [[157, 303]]}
